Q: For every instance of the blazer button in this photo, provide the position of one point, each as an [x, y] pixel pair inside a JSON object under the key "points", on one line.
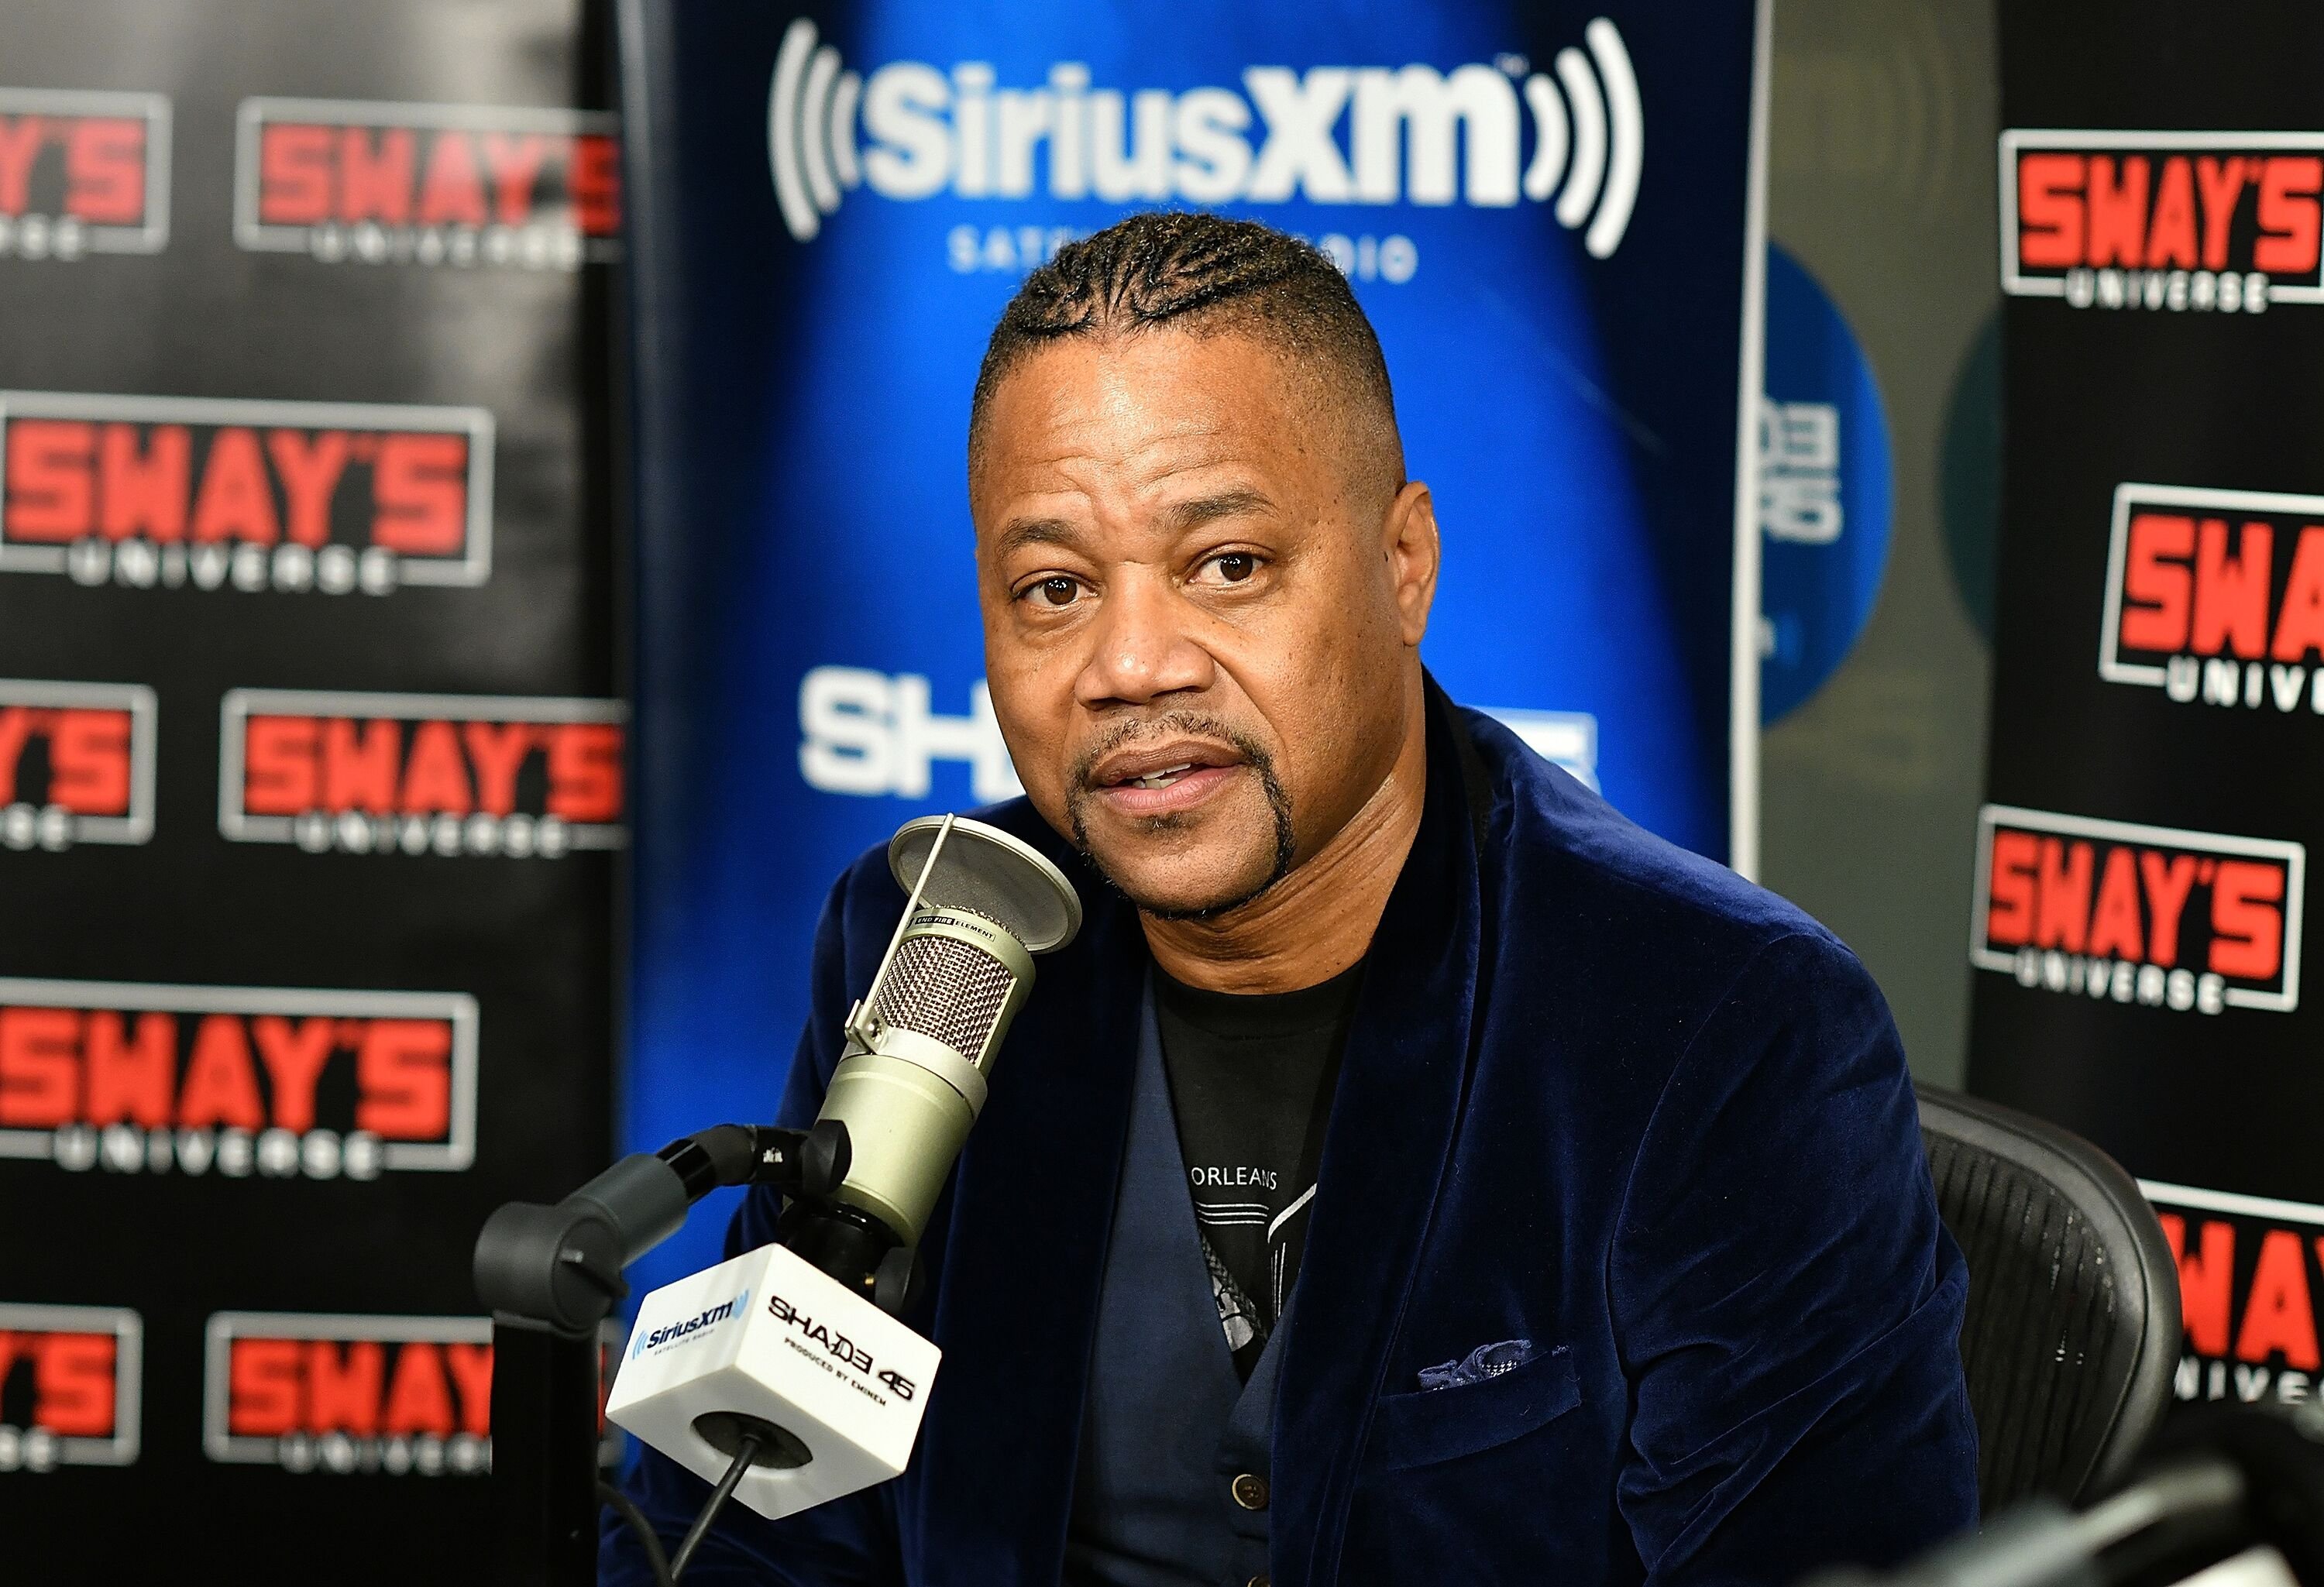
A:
{"points": [[1251, 1493]]}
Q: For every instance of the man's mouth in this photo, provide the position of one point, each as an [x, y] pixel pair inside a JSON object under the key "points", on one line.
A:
{"points": [[1167, 779]]}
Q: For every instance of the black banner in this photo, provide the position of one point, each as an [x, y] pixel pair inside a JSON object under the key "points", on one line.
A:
{"points": [[311, 756], [2142, 874]]}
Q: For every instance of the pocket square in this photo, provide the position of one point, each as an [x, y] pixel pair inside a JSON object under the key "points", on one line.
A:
{"points": [[1487, 1361]]}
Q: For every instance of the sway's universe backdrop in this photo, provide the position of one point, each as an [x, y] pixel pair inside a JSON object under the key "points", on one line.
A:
{"points": [[1547, 209], [2142, 871], [311, 770]]}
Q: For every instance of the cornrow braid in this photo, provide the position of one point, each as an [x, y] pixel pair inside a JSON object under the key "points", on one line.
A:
{"points": [[1205, 273]]}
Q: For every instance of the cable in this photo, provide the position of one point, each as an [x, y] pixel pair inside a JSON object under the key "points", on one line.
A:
{"points": [[627, 1508], [744, 1454], [666, 1568]]}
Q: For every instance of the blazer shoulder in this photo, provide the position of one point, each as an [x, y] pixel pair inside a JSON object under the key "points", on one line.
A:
{"points": [[1561, 840]]}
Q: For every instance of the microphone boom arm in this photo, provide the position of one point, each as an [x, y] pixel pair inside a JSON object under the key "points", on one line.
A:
{"points": [[559, 1267]]}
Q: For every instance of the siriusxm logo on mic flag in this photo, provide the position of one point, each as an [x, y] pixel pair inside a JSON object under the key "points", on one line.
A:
{"points": [[931, 132], [671, 1333]]}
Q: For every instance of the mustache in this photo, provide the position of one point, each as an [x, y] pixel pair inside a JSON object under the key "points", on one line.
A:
{"points": [[1191, 723]]}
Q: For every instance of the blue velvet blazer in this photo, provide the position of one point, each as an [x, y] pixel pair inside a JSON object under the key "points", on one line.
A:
{"points": [[1601, 1095]]}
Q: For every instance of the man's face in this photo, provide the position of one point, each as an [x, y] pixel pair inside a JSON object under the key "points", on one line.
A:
{"points": [[1201, 595]]}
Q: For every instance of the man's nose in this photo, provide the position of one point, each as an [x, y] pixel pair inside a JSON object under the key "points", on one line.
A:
{"points": [[1142, 645]]}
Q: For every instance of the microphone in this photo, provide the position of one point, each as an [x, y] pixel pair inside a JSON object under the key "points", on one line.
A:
{"points": [[783, 1375], [922, 1042]]}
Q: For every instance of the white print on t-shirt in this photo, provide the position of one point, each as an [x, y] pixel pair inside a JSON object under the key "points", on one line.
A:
{"points": [[1234, 1309], [1237, 1178]]}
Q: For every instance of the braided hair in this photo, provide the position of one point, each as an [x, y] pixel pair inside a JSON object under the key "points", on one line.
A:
{"points": [[1204, 273]]}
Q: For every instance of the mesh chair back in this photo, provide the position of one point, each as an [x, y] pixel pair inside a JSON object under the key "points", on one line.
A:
{"points": [[2073, 1331]]}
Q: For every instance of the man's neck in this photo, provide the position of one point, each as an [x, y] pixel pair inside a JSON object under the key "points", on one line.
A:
{"points": [[1319, 919]]}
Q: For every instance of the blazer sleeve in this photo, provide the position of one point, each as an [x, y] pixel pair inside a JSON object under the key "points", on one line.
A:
{"points": [[850, 1542], [1787, 1302]]}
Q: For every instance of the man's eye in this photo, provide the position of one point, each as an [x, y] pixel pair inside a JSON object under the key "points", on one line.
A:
{"points": [[1236, 566], [1056, 592]]}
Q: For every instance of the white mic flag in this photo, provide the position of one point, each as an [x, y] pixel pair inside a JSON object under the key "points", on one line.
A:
{"points": [[769, 1337]]}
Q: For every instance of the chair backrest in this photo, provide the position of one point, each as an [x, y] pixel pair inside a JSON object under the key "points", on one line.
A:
{"points": [[2072, 1335]]}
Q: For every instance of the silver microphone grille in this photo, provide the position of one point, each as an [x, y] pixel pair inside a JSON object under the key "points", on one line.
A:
{"points": [[946, 989]]}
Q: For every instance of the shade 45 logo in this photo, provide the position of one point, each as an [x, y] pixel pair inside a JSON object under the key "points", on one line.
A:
{"points": [[421, 774], [2248, 1285], [236, 1081], [347, 181], [204, 493], [83, 173], [2224, 222], [69, 1387], [2216, 596], [340, 1396], [912, 129], [2146, 915], [76, 763]]}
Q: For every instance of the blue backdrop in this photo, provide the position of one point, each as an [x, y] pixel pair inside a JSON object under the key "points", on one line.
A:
{"points": [[1542, 207]]}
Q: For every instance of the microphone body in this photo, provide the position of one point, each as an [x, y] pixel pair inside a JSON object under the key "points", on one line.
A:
{"points": [[920, 1059], [796, 1345]]}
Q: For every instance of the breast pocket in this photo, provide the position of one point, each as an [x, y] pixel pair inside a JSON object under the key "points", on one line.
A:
{"points": [[1430, 1425]]}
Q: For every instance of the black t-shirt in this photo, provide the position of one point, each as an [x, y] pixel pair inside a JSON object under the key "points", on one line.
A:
{"points": [[1251, 1082]]}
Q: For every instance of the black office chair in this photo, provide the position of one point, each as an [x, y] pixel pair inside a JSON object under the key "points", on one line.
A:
{"points": [[2073, 1331]]}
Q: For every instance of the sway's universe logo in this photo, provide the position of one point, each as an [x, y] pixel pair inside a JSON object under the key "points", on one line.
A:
{"points": [[399, 1394], [2248, 1287], [76, 763], [83, 173], [528, 776], [211, 493], [340, 1396], [2218, 596], [236, 1081], [1416, 135], [69, 1387], [655, 1340], [2210, 221], [2145, 915], [345, 179]]}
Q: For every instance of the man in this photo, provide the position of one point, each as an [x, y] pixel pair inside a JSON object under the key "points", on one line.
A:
{"points": [[1414, 1171]]}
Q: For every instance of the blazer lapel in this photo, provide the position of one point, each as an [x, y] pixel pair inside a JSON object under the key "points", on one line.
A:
{"points": [[1017, 1310], [1386, 1152]]}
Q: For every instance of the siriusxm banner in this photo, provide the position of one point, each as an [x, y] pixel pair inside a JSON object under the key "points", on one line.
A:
{"points": [[1548, 211]]}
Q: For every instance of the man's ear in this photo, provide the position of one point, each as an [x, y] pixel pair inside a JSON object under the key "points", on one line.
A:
{"points": [[1409, 539]]}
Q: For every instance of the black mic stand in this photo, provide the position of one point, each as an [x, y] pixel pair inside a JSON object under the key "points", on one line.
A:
{"points": [[552, 1275]]}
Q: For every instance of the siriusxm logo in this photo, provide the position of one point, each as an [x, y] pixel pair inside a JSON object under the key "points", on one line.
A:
{"points": [[1416, 136], [671, 1332]]}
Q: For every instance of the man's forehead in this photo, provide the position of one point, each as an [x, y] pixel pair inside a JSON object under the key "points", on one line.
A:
{"points": [[1150, 405]]}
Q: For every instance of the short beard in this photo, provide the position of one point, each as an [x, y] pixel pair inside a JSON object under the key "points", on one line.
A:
{"points": [[1254, 753]]}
